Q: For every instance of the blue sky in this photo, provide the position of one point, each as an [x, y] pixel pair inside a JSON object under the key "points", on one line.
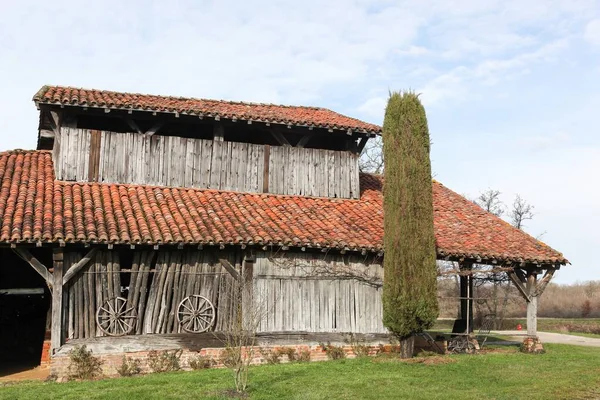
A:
{"points": [[512, 88]]}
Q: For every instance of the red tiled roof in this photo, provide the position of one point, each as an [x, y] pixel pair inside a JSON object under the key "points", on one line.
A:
{"points": [[294, 115], [35, 207]]}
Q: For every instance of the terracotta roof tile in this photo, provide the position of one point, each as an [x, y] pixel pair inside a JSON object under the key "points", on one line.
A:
{"points": [[35, 207], [272, 113]]}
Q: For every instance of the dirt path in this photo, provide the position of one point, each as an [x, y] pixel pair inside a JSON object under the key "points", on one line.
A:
{"points": [[548, 337], [38, 374]]}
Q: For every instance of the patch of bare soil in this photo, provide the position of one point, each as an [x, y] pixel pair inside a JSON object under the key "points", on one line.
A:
{"points": [[34, 374], [234, 394]]}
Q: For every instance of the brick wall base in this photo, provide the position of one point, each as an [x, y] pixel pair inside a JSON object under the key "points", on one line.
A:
{"points": [[45, 359], [60, 364]]}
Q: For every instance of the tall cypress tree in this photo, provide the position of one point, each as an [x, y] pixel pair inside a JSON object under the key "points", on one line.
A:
{"points": [[409, 289]]}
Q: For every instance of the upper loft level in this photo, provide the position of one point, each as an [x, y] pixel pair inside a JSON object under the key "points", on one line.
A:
{"points": [[115, 137]]}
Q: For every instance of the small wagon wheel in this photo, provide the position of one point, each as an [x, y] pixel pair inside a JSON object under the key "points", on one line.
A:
{"points": [[195, 314], [114, 318]]}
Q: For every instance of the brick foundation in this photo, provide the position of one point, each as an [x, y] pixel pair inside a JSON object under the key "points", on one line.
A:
{"points": [[60, 364], [45, 359]]}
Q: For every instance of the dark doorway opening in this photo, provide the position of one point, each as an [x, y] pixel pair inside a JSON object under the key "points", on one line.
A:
{"points": [[24, 307]]}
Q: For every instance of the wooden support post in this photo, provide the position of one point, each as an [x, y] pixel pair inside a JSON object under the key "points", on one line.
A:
{"points": [[526, 281], [466, 297], [532, 303], [57, 301], [532, 317]]}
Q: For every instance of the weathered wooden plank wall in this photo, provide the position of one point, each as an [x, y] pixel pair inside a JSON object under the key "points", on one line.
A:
{"points": [[158, 281], [183, 162], [304, 292]]}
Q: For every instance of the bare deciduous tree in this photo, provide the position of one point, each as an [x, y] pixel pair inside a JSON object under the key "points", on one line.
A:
{"points": [[490, 202], [371, 158], [239, 338], [521, 211]]}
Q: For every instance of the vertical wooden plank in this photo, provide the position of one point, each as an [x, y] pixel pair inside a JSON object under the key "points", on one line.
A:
{"points": [[56, 338], [266, 166], [216, 163], [176, 298], [85, 303], [146, 264], [354, 177], [98, 285]]}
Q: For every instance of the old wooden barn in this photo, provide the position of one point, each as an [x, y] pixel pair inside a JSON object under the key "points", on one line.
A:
{"points": [[129, 226]]}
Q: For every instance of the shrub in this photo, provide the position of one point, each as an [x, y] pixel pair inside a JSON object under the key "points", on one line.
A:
{"points": [[229, 357], [129, 367], [586, 308], [359, 347], [271, 356], [83, 364], [164, 361], [289, 352], [333, 352], [201, 362], [303, 356]]}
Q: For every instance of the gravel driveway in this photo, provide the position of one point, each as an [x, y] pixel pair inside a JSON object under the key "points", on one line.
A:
{"points": [[548, 337]]}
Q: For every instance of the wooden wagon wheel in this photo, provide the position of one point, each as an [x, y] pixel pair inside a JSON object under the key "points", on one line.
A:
{"points": [[114, 318], [195, 314]]}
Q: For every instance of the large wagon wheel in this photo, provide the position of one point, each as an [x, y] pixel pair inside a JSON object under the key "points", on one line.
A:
{"points": [[195, 314], [114, 318]]}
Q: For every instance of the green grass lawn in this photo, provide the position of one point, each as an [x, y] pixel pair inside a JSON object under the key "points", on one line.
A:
{"points": [[563, 372]]}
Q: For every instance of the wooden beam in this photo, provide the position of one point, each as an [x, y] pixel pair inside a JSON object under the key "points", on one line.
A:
{"points": [[56, 335], [362, 144], [519, 284], [541, 286], [230, 268], [280, 138], [302, 142], [49, 134], [21, 291], [132, 125], [55, 120], [80, 264], [155, 128], [35, 264]]}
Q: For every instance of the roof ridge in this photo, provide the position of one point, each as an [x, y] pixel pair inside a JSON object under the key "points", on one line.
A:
{"points": [[312, 116], [44, 89]]}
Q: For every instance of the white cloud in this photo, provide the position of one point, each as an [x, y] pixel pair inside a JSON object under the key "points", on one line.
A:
{"points": [[592, 32], [543, 142], [414, 51], [374, 108]]}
